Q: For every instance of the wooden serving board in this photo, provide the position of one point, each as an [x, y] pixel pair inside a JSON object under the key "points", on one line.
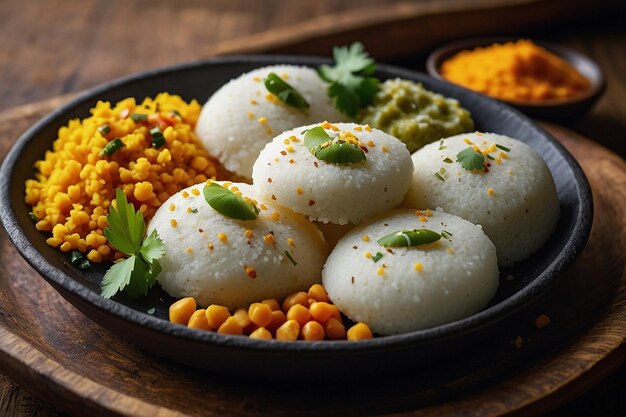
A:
{"points": [[58, 354]]}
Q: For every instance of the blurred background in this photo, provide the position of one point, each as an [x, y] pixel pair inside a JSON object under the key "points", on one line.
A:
{"points": [[60, 47]]}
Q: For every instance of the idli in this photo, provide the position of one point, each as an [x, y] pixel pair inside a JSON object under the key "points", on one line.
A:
{"points": [[219, 259], [242, 116], [408, 270], [339, 173], [492, 180]]}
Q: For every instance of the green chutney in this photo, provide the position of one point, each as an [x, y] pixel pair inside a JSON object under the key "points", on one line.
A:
{"points": [[414, 115]]}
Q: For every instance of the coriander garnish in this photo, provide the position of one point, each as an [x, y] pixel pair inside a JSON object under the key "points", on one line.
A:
{"points": [[377, 257], [229, 204], [158, 139], [440, 174], [470, 159], [139, 117], [442, 146], [446, 235], [504, 148], [110, 148], [448, 161], [285, 92], [404, 238], [33, 216], [104, 129], [78, 260], [352, 85], [330, 149], [194, 210], [288, 255], [136, 274]]}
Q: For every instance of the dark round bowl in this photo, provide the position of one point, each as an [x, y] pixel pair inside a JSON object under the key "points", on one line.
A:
{"points": [[144, 323], [557, 110]]}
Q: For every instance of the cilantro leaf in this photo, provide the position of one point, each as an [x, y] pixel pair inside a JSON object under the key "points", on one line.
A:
{"points": [[351, 84], [136, 274], [470, 159], [117, 277], [152, 248]]}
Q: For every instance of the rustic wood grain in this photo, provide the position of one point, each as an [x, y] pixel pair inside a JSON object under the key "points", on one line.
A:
{"points": [[62, 357], [61, 46]]}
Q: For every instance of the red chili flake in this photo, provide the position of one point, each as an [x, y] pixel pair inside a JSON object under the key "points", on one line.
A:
{"points": [[311, 202], [315, 164], [292, 161], [364, 149], [283, 153], [355, 247], [273, 197], [201, 230], [352, 280], [269, 180]]}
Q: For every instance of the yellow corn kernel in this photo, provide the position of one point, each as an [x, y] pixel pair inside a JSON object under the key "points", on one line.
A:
{"points": [[260, 314], [198, 320], [222, 237], [359, 331], [313, 331], [181, 311], [230, 326], [418, 266], [299, 313], [321, 311], [261, 333], [272, 303], [289, 330], [278, 318], [173, 222], [301, 298], [318, 293], [334, 329], [216, 315], [242, 317]]}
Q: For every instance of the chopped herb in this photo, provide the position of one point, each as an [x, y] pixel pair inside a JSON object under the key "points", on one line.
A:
{"points": [[151, 311], [448, 161], [177, 113], [285, 92], [446, 235], [491, 157], [504, 148], [104, 129], [79, 261], [441, 145], [229, 204], [352, 85], [332, 150], [136, 274], [403, 238], [441, 174], [377, 257], [33, 217], [158, 139], [194, 210], [112, 147], [315, 137], [139, 117], [288, 255], [329, 149], [470, 159]]}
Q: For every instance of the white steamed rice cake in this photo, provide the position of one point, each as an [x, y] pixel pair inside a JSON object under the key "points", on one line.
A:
{"points": [[402, 289], [242, 116], [513, 196], [220, 260], [287, 172]]}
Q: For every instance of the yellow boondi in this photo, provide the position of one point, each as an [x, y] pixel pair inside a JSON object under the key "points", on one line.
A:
{"points": [[74, 184]]}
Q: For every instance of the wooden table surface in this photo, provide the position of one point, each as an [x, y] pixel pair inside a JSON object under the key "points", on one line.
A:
{"points": [[50, 48]]}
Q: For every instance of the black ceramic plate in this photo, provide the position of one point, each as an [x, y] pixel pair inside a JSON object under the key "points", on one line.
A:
{"points": [[144, 322]]}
